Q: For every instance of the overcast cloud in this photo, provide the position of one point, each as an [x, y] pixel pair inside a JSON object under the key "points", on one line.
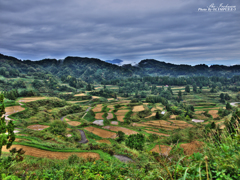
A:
{"points": [[172, 31]]}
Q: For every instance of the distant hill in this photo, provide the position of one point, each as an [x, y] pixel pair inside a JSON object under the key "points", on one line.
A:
{"points": [[115, 61], [92, 69]]}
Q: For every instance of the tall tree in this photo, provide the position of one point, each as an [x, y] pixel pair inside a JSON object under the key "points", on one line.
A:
{"points": [[187, 89]]}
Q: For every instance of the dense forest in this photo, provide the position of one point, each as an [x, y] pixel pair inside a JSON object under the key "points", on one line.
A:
{"points": [[95, 70]]}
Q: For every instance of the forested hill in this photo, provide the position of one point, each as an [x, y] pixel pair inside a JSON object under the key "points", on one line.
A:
{"points": [[92, 69]]}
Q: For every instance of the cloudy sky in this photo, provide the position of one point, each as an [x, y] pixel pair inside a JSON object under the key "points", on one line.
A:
{"points": [[174, 31]]}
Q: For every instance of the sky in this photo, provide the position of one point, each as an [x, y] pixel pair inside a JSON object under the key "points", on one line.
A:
{"points": [[174, 31]]}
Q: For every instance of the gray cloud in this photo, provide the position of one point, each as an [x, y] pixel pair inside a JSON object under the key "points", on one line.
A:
{"points": [[172, 31]]}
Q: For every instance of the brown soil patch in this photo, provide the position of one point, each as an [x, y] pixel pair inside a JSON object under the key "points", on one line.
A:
{"points": [[180, 87], [120, 118], [110, 99], [114, 122], [173, 116], [66, 119], [213, 113], [110, 116], [31, 151], [98, 108], [199, 112], [125, 130], [37, 127], [190, 148], [68, 129], [31, 99], [181, 124], [73, 123], [164, 149], [13, 109], [99, 115], [82, 94], [160, 134], [138, 108], [121, 112], [104, 141], [157, 108], [96, 97], [153, 114], [67, 93], [110, 106], [162, 124], [138, 125], [145, 103], [100, 132]]}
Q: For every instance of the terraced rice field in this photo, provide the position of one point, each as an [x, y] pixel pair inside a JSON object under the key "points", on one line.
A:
{"points": [[99, 115], [121, 112], [181, 124], [114, 122], [158, 133], [139, 125], [173, 116], [110, 116], [100, 132], [11, 110], [110, 106], [67, 93], [29, 99], [156, 108], [120, 118], [213, 113], [37, 127], [98, 108], [153, 114], [164, 149], [138, 108], [162, 124], [73, 123], [190, 148], [116, 128], [31, 151], [96, 97], [81, 94]]}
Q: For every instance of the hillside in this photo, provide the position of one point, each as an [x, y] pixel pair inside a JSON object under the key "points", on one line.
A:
{"points": [[95, 70]]}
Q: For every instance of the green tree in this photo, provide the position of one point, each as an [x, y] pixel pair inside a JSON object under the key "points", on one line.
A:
{"points": [[195, 88], [157, 115], [187, 89], [228, 106], [227, 97], [121, 136], [5, 139]]}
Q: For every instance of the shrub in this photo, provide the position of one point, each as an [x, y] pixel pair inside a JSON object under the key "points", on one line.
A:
{"points": [[73, 159], [58, 127], [135, 141]]}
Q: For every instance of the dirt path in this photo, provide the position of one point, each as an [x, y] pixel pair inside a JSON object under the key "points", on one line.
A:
{"points": [[31, 151]]}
